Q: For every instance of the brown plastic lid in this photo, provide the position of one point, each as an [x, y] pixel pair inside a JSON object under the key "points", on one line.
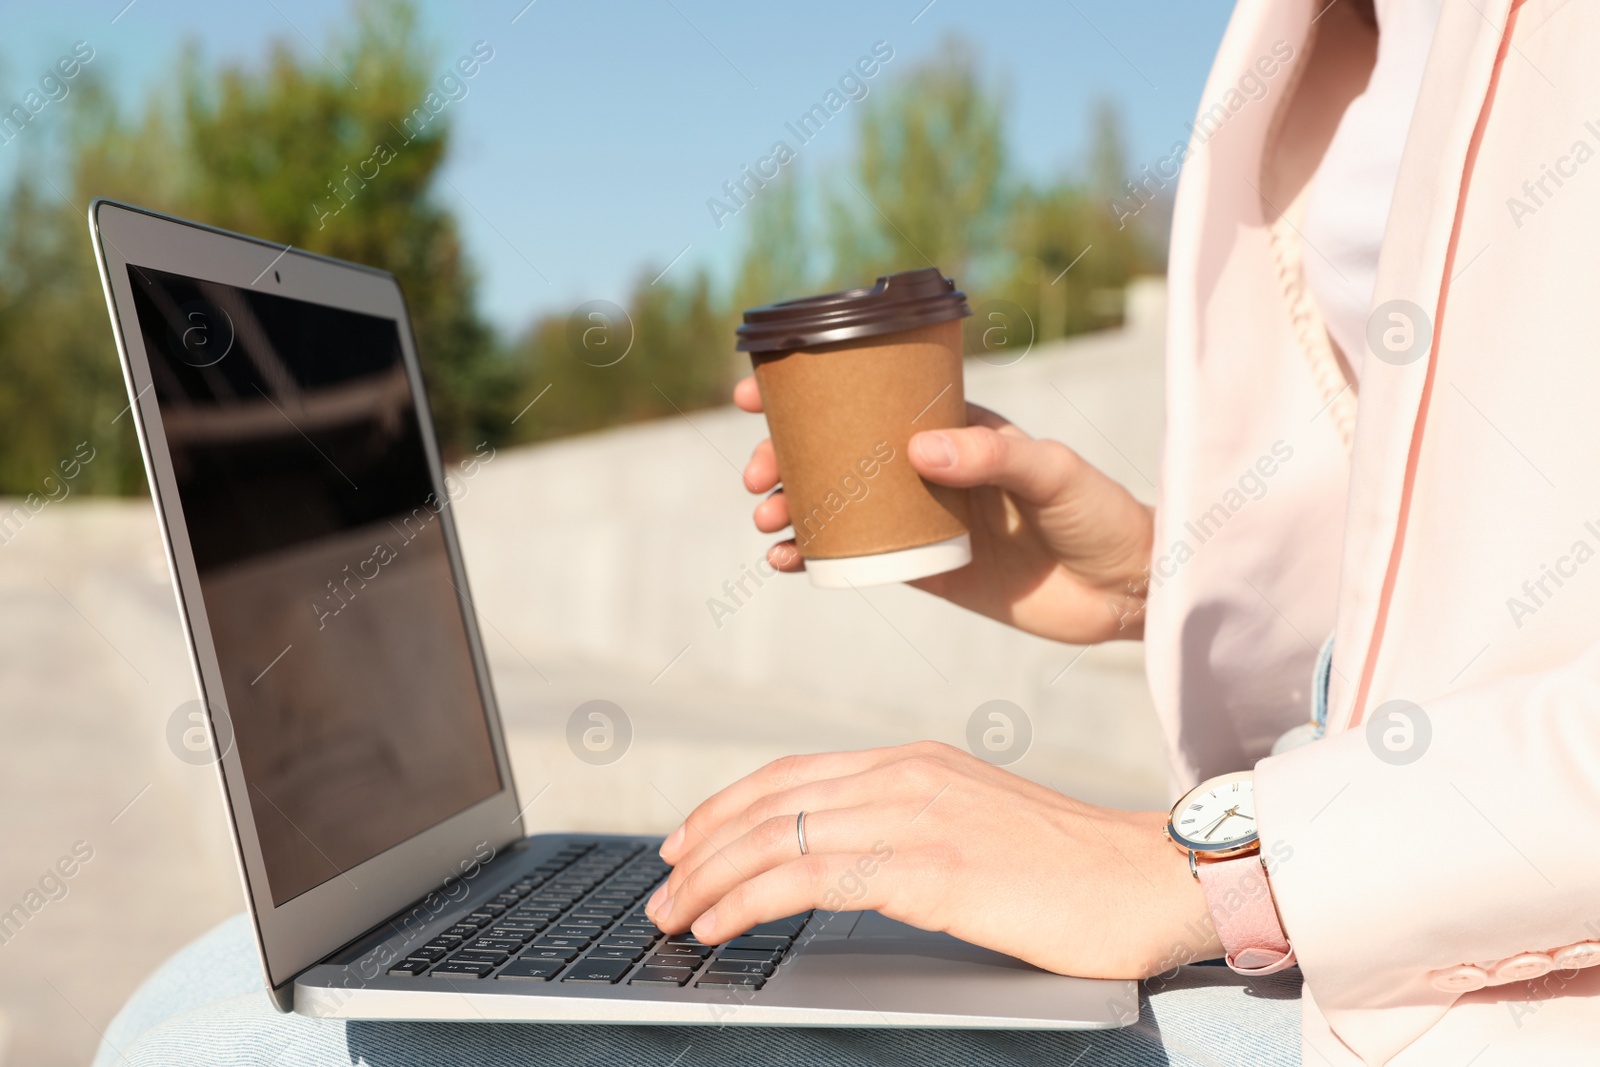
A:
{"points": [[897, 302]]}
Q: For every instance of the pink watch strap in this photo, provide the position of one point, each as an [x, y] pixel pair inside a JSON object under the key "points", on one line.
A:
{"points": [[1240, 902]]}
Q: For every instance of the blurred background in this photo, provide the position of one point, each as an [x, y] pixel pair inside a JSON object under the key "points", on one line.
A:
{"points": [[600, 159]]}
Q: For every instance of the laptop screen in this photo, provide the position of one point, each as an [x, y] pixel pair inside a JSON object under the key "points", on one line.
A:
{"points": [[310, 507]]}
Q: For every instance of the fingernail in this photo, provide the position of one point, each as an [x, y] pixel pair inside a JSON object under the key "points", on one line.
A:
{"points": [[666, 910], [935, 449], [672, 842], [705, 926], [655, 898]]}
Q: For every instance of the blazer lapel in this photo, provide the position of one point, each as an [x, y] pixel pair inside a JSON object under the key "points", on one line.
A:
{"points": [[1420, 254]]}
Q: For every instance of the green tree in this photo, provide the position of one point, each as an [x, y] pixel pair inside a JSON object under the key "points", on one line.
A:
{"points": [[778, 259], [1070, 257], [928, 183], [277, 151], [286, 149], [60, 383], [667, 352], [303, 170]]}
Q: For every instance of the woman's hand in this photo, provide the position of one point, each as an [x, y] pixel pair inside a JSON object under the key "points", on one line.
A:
{"points": [[934, 837], [1058, 549]]}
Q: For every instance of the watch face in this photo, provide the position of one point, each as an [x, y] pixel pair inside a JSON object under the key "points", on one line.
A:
{"points": [[1217, 816]]}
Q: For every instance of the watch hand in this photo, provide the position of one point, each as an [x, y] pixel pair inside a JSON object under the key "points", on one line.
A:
{"points": [[1206, 833]]}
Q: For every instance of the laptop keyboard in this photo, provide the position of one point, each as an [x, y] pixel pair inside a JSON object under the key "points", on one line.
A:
{"points": [[579, 917]]}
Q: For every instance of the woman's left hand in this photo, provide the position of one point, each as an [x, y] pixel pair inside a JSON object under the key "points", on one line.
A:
{"points": [[934, 837]]}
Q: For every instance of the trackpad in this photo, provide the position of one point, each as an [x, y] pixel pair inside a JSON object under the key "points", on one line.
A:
{"points": [[882, 966]]}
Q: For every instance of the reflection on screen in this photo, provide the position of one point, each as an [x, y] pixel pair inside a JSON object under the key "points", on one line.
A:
{"points": [[316, 532]]}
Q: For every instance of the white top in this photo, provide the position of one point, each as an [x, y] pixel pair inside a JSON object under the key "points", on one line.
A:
{"points": [[1354, 184]]}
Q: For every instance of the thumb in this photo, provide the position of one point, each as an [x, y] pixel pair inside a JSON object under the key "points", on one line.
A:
{"points": [[1036, 472]]}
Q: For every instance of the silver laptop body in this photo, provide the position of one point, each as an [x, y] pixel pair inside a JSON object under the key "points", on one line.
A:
{"points": [[291, 457]]}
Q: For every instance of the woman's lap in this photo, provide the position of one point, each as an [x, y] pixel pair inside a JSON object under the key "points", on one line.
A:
{"points": [[206, 1006]]}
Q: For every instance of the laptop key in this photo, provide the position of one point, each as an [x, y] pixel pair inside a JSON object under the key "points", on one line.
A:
{"points": [[637, 930], [758, 955], [496, 933], [562, 942], [686, 939], [726, 966], [565, 955], [463, 969], [620, 940], [615, 952], [598, 916], [527, 970], [738, 981], [775, 944], [479, 955], [429, 952], [779, 928], [687, 962], [410, 968], [598, 972], [584, 930], [698, 952], [663, 976], [504, 945]]}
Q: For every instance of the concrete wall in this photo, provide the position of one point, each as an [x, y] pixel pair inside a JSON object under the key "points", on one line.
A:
{"points": [[606, 550]]}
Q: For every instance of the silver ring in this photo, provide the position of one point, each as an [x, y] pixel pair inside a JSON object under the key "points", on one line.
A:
{"points": [[800, 831]]}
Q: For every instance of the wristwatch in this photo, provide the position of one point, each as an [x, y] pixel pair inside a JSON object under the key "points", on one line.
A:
{"points": [[1215, 823]]}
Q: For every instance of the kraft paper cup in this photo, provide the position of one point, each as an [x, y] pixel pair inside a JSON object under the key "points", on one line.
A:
{"points": [[846, 379]]}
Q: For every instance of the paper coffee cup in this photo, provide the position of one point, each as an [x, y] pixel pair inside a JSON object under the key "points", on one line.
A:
{"points": [[846, 378]]}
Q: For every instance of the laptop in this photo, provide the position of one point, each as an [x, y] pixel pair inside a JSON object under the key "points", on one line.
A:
{"points": [[305, 508]]}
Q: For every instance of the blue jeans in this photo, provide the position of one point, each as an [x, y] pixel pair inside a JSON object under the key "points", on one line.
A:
{"points": [[206, 1006]]}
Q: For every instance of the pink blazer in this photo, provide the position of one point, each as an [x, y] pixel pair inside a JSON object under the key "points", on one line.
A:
{"points": [[1438, 873]]}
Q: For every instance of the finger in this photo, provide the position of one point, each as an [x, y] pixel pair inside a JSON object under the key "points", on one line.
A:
{"points": [[1037, 472], [747, 395], [883, 782], [817, 881], [777, 776], [768, 844], [761, 472], [786, 557], [772, 514]]}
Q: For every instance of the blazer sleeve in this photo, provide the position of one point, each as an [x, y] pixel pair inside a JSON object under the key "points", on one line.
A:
{"points": [[1396, 864]]}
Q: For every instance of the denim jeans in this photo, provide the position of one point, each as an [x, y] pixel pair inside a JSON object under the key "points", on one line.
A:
{"points": [[206, 1006]]}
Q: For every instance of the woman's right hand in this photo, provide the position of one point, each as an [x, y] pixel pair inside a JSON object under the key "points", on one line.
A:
{"points": [[1058, 548]]}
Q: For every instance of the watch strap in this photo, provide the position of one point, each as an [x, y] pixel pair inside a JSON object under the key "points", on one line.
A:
{"points": [[1240, 902]]}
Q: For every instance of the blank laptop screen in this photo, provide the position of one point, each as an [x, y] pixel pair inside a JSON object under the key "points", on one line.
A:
{"points": [[311, 512]]}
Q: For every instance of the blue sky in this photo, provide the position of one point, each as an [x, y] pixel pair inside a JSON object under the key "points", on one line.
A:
{"points": [[587, 148]]}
